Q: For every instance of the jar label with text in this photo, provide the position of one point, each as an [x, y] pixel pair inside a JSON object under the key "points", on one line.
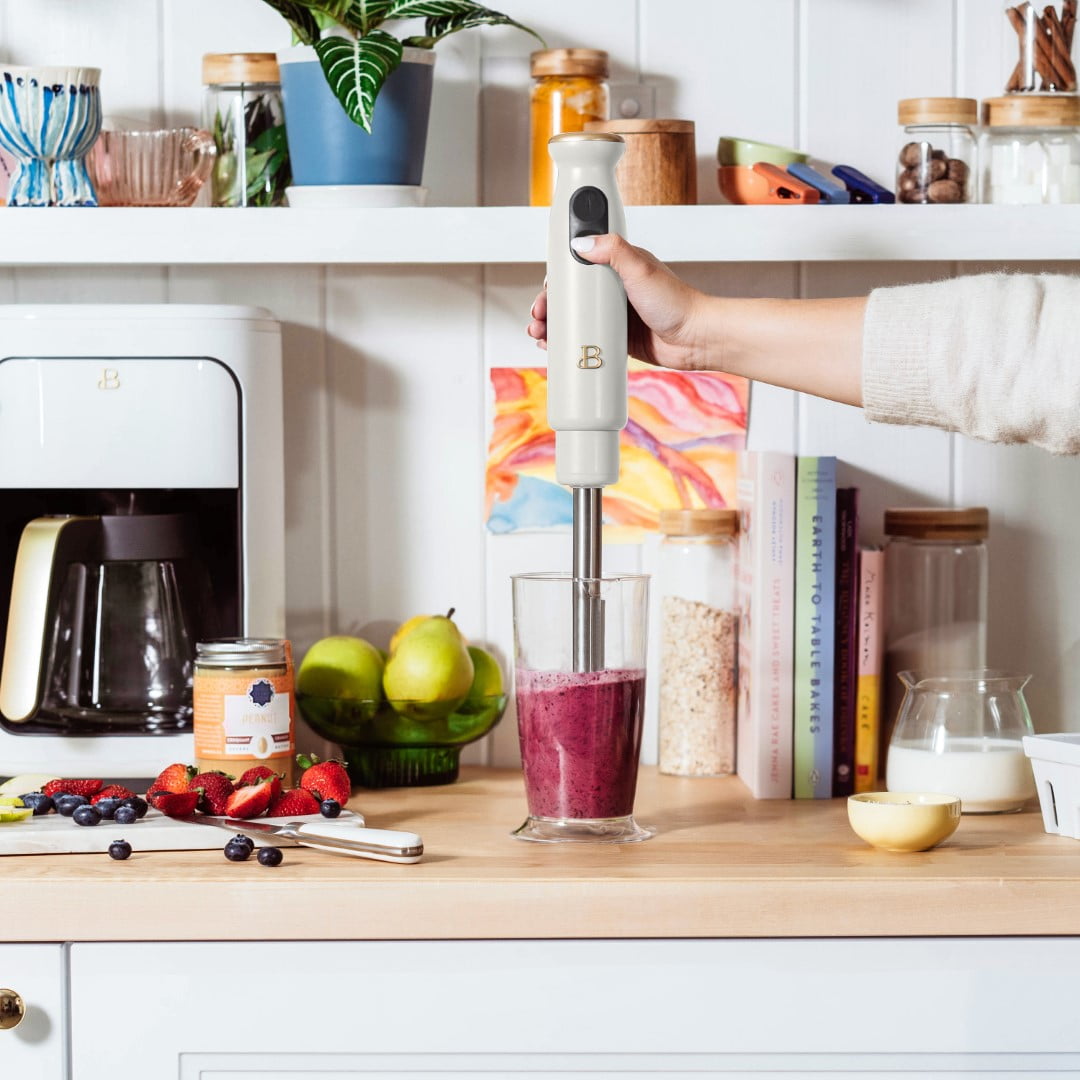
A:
{"points": [[243, 716]]}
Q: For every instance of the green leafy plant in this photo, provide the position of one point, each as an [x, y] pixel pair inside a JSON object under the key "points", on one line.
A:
{"points": [[358, 54]]}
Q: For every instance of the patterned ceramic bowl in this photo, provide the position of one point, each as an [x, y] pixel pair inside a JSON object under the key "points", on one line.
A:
{"points": [[49, 119]]}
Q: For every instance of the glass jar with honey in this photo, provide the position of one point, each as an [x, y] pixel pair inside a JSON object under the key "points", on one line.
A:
{"points": [[569, 89]]}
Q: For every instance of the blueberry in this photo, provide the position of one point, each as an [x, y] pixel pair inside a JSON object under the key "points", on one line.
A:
{"points": [[125, 815], [107, 807], [270, 856], [41, 804], [241, 838], [137, 803], [236, 851], [86, 815], [66, 805], [329, 808], [119, 849]]}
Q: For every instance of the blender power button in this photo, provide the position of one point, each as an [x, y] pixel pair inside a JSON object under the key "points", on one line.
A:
{"points": [[588, 216]]}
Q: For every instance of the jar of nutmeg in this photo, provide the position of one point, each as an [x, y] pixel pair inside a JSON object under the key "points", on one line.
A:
{"points": [[937, 160]]}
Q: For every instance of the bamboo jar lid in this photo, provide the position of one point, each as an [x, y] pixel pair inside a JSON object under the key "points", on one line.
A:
{"points": [[1032, 110], [218, 68], [719, 522], [659, 167], [591, 63], [933, 523], [937, 110]]}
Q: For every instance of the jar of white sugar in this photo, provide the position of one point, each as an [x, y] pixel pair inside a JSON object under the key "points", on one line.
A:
{"points": [[1031, 149], [698, 637]]}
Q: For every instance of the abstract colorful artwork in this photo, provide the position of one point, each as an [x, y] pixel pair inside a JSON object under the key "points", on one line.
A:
{"points": [[678, 449]]}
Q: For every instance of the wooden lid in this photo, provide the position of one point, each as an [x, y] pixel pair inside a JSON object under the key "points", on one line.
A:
{"points": [[590, 62], [1032, 110], [938, 110], [251, 67], [933, 523], [724, 522], [642, 127]]}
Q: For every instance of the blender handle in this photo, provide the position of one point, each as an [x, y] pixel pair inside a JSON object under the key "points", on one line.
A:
{"points": [[46, 544]]}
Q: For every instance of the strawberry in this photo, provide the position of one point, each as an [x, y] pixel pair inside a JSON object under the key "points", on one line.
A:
{"points": [[214, 789], [294, 802], [72, 787], [325, 779], [113, 791], [175, 778], [262, 772], [177, 804], [249, 801]]}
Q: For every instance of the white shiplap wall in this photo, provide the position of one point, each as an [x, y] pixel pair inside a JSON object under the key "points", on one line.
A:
{"points": [[385, 368]]}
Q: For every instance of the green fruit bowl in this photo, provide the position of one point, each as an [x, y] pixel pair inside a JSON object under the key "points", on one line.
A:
{"points": [[389, 744]]}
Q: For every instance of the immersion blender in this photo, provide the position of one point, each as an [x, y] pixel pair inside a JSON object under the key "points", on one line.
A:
{"points": [[587, 382]]}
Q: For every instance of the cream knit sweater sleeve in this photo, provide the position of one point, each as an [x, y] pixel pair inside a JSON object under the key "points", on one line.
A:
{"points": [[996, 357]]}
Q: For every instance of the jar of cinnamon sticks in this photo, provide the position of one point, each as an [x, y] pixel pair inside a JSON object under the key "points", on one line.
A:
{"points": [[1045, 43]]}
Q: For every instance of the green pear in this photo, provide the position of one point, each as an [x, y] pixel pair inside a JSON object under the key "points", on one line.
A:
{"points": [[341, 667], [430, 671], [487, 675]]}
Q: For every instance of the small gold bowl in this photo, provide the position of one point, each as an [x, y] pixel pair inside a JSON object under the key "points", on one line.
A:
{"points": [[903, 820]]}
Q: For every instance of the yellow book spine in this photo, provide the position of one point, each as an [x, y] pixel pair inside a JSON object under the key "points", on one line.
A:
{"points": [[867, 710]]}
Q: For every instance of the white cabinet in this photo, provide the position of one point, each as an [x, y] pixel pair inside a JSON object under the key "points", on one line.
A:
{"points": [[574, 1009], [37, 1047]]}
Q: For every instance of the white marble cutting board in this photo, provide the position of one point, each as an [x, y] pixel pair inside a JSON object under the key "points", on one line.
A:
{"points": [[51, 834]]}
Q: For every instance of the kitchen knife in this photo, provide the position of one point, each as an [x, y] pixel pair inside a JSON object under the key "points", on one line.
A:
{"points": [[340, 837]]}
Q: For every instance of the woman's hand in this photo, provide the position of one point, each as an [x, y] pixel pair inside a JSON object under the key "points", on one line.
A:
{"points": [[666, 321]]}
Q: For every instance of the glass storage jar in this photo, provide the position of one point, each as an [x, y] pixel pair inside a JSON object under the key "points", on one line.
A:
{"points": [[1045, 47], [698, 641], [937, 160], [569, 89], [242, 110], [936, 584], [1031, 149]]}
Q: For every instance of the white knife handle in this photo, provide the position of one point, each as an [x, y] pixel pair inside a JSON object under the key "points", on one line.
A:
{"points": [[388, 845]]}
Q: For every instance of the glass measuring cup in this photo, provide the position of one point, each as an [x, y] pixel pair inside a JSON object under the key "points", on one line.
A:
{"points": [[961, 733]]}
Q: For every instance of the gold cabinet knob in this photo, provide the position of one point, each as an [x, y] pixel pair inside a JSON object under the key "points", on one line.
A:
{"points": [[12, 1009]]}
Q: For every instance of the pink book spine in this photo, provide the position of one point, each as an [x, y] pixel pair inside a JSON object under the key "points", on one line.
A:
{"points": [[868, 680], [766, 577]]}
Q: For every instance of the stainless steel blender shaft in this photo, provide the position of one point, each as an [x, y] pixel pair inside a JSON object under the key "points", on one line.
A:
{"points": [[587, 601]]}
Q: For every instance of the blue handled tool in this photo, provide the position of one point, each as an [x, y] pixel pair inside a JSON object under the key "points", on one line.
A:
{"points": [[831, 194], [861, 187]]}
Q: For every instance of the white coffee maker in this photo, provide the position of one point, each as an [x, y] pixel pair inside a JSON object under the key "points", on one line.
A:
{"points": [[141, 509]]}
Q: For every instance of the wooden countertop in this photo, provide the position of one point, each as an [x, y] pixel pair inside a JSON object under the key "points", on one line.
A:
{"points": [[721, 865]]}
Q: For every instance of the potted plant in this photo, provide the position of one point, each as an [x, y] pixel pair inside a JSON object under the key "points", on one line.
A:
{"points": [[346, 60]]}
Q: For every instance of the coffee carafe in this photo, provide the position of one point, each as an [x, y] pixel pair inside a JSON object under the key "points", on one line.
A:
{"points": [[105, 612]]}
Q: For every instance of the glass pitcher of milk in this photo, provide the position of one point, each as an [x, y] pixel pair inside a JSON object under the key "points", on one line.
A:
{"points": [[960, 733]]}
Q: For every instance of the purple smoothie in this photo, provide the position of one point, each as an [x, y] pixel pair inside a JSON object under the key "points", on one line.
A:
{"points": [[580, 739]]}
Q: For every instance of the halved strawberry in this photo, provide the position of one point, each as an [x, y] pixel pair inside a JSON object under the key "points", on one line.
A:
{"points": [[249, 801], [113, 791], [174, 778], [325, 779], [177, 804], [262, 772], [214, 790], [294, 802], [72, 787]]}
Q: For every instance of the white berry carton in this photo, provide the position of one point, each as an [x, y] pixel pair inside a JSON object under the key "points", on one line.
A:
{"points": [[1055, 761]]}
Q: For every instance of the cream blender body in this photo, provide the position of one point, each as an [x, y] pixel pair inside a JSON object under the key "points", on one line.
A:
{"points": [[580, 637]]}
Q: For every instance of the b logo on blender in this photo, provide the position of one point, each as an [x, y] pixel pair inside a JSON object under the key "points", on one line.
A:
{"points": [[590, 357]]}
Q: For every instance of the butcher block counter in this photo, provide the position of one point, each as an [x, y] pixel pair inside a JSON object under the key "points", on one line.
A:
{"points": [[721, 866]]}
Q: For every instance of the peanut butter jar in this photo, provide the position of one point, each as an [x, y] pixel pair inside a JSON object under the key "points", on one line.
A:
{"points": [[244, 706]]}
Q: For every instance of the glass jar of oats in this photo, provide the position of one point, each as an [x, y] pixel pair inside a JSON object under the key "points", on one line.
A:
{"points": [[698, 637]]}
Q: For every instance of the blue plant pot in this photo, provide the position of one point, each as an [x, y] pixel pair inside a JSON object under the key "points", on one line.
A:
{"points": [[49, 119], [326, 147]]}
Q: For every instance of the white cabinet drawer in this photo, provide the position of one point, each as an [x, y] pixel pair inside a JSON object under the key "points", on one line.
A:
{"points": [[37, 1047], [571, 1009]]}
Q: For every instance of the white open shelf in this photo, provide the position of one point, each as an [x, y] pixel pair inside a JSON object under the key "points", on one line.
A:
{"points": [[514, 234]]}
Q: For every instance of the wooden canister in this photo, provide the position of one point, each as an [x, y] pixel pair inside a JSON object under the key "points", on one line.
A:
{"points": [[660, 164]]}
